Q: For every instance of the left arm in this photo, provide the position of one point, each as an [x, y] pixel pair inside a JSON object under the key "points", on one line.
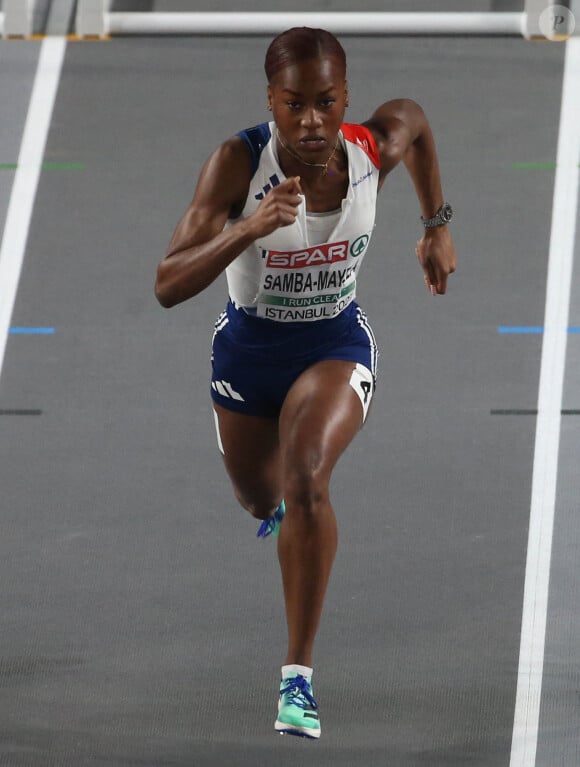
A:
{"points": [[402, 132]]}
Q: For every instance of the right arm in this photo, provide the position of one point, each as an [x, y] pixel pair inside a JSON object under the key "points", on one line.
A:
{"points": [[402, 132], [200, 248]]}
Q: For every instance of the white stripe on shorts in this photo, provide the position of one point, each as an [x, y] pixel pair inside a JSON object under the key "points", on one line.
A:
{"points": [[217, 431], [363, 322], [220, 324]]}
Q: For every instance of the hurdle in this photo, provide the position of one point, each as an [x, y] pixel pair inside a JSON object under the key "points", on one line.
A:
{"points": [[94, 19]]}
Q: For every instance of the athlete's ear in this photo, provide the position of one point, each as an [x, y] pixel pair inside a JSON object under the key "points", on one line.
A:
{"points": [[269, 98], [346, 93]]}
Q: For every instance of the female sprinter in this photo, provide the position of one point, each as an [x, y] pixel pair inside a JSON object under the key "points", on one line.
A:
{"points": [[287, 209]]}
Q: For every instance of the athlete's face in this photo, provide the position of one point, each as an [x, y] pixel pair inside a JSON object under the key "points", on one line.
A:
{"points": [[308, 100]]}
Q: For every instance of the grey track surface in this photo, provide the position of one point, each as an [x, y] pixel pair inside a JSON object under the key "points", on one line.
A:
{"points": [[142, 623]]}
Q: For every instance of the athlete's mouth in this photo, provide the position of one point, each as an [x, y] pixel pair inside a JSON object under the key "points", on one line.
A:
{"points": [[313, 142]]}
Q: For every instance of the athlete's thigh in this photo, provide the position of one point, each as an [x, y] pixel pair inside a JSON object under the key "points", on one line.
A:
{"points": [[320, 416], [251, 451]]}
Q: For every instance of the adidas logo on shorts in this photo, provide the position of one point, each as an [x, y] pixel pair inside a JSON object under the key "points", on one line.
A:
{"points": [[226, 390]]}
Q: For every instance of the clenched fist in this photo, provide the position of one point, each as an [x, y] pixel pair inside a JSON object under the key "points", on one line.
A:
{"points": [[279, 207]]}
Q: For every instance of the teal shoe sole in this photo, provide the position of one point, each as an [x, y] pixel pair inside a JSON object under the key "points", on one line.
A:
{"points": [[302, 732]]}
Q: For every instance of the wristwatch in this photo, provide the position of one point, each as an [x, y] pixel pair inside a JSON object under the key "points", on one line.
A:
{"points": [[443, 216]]}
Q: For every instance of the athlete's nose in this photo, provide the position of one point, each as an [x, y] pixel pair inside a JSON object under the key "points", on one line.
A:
{"points": [[311, 118]]}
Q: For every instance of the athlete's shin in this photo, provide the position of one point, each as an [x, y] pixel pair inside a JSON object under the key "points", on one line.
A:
{"points": [[306, 549]]}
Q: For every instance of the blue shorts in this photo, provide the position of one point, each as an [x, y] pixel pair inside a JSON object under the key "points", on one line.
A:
{"points": [[255, 361]]}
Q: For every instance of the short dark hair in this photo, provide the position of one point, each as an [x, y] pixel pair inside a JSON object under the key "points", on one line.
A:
{"points": [[301, 44]]}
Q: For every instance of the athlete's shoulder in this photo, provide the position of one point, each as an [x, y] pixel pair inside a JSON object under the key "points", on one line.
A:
{"points": [[256, 140], [239, 155], [362, 137]]}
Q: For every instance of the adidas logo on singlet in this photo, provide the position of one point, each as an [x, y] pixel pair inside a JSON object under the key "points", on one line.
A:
{"points": [[274, 181]]}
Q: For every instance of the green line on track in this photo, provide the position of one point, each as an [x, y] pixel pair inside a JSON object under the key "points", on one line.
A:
{"points": [[47, 166], [534, 165], [63, 166]]}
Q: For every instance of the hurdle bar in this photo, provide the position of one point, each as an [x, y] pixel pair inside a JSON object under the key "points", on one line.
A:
{"points": [[94, 19], [16, 18]]}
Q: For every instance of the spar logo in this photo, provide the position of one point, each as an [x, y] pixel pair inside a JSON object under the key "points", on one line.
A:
{"points": [[315, 256]]}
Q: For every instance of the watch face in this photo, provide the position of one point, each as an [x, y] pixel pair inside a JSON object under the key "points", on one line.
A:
{"points": [[446, 212]]}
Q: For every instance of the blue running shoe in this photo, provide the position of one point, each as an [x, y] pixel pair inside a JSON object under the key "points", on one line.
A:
{"points": [[272, 526], [297, 709]]}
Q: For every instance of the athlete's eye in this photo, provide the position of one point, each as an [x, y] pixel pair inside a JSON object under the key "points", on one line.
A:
{"points": [[294, 105], [325, 103]]}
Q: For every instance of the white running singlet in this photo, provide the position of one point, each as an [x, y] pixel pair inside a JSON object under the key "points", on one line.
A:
{"points": [[286, 277]]}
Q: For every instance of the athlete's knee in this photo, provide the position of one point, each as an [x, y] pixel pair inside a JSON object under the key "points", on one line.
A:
{"points": [[306, 491]]}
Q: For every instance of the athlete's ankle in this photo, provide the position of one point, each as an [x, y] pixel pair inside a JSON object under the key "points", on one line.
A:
{"points": [[289, 669]]}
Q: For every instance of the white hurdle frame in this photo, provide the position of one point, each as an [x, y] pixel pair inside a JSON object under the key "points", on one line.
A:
{"points": [[94, 19], [16, 18]]}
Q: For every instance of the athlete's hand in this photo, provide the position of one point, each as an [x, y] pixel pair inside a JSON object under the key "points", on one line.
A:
{"points": [[436, 254], [279, 207]]}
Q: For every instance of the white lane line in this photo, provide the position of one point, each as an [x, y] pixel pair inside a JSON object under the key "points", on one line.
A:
{"points": [[545, 468], [26, 178]]}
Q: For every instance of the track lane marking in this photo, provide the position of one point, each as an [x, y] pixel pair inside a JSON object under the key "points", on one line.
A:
{"points": [[545, 467], [26, 177]]}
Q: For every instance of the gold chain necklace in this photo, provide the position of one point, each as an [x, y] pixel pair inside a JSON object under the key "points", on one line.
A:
{"points": [[323, 165]]}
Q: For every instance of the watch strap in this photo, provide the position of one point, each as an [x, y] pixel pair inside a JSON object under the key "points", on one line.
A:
{"points": [[442, 217]]}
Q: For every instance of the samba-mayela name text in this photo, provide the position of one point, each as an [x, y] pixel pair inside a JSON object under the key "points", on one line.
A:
{"points": [[297, 282]]}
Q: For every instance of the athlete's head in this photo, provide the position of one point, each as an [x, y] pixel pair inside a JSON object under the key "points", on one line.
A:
{"points": [[307, 89], [301, 44]]}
